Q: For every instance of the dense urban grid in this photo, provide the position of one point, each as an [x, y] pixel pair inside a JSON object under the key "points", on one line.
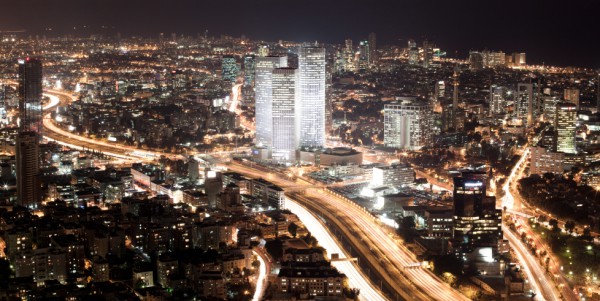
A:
{"points": [[222, 168]]}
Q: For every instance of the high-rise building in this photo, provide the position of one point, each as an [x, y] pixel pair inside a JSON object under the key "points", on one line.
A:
{"points": [[439, 90], [518, 59], [285, 103], [249, 66], [328, 99], [408, 125], [524, 101], [543, 161], [455, 108], [28, 161], [496, 100], [264, 95], [427, 53], [373, 47], [572, 95], [30, 95], [475, 60], [364, 58], [348, 53], [477, 222], [550, 108], [311, 65], [229, 68], [565, 124], [413, 53], [263, 50]]}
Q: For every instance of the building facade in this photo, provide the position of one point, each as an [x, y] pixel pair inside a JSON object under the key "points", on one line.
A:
{"points": [[311, 65], [408, 125], [264, 97]]}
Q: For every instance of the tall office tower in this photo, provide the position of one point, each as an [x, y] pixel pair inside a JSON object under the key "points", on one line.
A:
{"points": [[348, 46], [408, 125], [263, 50], [524, 101], [249, 66], [413, 53], [349, 62], [572, 95], [565, 124], [455, 79], [285, 104], [373, 48], [193, 169], [213, 185], [30, 95], [28, 161], [475, 60], [263, 89], [496, 100], [550, 108], [477, 222], [328, 104], [311, 61], [439, 90], [230, 68], [427, 53], [364, 59]]}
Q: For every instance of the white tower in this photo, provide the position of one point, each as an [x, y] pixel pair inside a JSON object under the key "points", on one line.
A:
{"points": [[311, 65]]}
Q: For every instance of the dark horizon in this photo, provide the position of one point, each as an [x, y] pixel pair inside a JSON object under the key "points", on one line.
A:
{"points": [[550, 32]]}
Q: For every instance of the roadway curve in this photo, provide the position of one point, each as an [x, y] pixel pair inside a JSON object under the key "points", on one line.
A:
{"points": [[381, 247], [356, 279], [378, 237]]}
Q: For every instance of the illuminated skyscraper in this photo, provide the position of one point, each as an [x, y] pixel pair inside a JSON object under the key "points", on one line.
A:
{"points": [[230, 68], [28, 160], [249, 66], [565, 124], [477, 222], [524, 102], [413, 53], [30, 95], [263, 50], [427, 53], [572, 95], [311, 65], [364, 59], [373, 47], [264, 96], [496, 100], [475, 60], [285, 103], [349, 63], [408, 125]]}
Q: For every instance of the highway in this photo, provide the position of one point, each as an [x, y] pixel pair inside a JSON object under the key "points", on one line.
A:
{"points": [[387, 249], [543, 282], [356, 279], [262, 278]]}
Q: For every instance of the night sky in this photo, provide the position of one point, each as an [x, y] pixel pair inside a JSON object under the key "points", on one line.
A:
{"points": [[562, 33]]}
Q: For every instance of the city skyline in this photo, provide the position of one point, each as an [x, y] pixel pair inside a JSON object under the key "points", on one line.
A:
{"points": [[194, 162], [457, 27]]}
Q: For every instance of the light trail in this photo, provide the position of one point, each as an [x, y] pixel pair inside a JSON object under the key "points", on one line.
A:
{"points": [[262, 277], [54, 101], [525, 258], [377, 237], [236, 95], [355, 278]]}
